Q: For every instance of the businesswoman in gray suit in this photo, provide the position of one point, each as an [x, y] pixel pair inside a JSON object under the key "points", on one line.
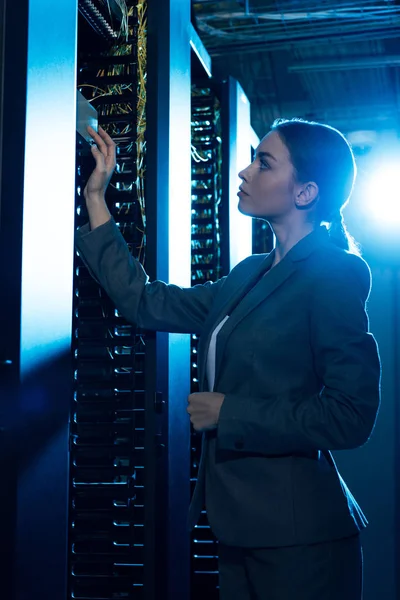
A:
{"points": [[287, 368]]}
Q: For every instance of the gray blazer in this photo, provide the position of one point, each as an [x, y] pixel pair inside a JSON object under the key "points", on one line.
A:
{"points": [[299, 370]]}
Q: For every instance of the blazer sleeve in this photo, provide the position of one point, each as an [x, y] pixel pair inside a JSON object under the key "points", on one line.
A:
{"points": [[347, 362], [155, 306]]}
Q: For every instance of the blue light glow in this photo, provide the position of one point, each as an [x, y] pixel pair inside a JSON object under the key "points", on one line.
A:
{"points": [[383, 193], [180, 181], [240, 225], [48, 220]]}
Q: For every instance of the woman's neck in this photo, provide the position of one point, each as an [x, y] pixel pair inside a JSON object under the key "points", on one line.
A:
{"points": [[287, 237]]}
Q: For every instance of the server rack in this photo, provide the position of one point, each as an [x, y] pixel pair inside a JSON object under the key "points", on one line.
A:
{"points": [[129, 484], [107, 459], [206, 265]]}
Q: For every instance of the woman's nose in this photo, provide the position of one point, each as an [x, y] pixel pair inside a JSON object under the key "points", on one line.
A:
{"points": [[245, 174]]}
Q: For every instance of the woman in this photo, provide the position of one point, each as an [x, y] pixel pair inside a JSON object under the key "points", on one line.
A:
{"points": [[293, 375]]}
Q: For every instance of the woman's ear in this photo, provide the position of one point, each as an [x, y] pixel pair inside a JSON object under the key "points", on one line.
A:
{"points": [[307, 194]]}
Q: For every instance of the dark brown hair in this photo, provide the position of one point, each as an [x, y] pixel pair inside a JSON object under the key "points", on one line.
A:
{"points": [[322, 154]]}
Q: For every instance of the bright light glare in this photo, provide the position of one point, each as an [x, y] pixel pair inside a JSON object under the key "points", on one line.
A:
{"points": [[240, 224], [49, 185], [383, 193]]}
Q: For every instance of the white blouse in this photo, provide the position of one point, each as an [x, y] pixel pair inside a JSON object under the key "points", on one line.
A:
{"points": [[212, 353]]}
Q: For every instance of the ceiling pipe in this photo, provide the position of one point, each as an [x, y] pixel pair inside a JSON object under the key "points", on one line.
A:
{"points": [[363, 62]]}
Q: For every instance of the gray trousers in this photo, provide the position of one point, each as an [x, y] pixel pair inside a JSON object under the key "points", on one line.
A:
{"points": [[329, 571]]}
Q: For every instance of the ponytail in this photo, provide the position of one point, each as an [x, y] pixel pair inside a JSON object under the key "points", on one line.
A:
{"points": [[339, 236]]}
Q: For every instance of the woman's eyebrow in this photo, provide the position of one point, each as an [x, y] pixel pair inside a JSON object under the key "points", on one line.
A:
{"points": [[266, 154]]}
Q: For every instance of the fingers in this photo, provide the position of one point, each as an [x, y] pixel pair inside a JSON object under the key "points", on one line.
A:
{"points": [[98, 141], [98, 156], [104, 142], [104, 150], [108, 141]]}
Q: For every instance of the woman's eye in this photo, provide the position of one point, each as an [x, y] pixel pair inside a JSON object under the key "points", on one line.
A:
{"points": [[264, 165]]}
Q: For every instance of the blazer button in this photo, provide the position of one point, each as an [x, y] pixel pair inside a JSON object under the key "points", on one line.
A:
{"points": [[239, 445]]}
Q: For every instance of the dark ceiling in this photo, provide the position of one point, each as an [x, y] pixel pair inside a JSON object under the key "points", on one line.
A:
{"points": [[335, 61]]}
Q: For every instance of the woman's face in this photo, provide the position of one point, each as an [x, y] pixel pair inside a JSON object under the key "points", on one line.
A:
{"points": [[268, 187]]}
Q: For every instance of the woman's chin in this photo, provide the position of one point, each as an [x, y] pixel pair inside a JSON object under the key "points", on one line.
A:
{"points": [[242, 207]]}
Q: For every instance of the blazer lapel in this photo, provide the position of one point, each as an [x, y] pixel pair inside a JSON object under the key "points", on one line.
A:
{"points": [[215, 318], [254, 290], [260, 292]]}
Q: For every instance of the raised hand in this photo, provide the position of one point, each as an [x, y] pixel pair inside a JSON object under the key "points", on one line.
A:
{"points": [[104, 153]]}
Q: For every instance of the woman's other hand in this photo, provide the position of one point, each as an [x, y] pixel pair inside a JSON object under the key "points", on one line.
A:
{"points": [[204, 409]]}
